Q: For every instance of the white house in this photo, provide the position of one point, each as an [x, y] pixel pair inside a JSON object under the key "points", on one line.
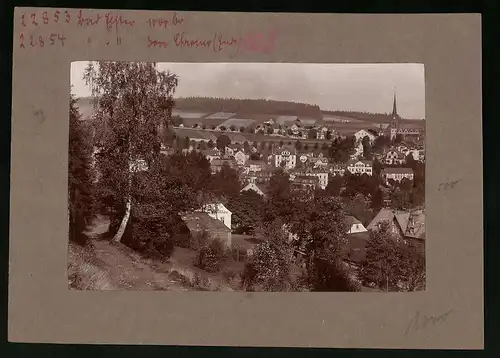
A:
{"points": [[321, 162], [211, 154], [254, 187], [359, 135], [360, 167], [355, 226], [322, 176], [393, 157], [218, 211], [295, 129], [240, 157], [338, 169], [286, 157], [255, 165], [397, 174], [322, 132]]}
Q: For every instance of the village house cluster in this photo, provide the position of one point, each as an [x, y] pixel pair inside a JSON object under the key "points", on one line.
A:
{"points": [[308, 168]]}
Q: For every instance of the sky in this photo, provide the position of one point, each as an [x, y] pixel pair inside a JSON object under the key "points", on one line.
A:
{"points": [[350, 87]]}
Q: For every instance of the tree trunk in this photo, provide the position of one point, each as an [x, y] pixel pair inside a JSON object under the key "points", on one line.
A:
{"points": [[123, 225], [121, 230]]}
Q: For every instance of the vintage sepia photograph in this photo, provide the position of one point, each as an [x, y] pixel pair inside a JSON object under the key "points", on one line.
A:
{"points": [[262, 177]]}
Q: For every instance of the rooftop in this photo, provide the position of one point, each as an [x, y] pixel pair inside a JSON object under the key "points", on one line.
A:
{"points": [[354, 161], [351, 220], [397, 171], [202, 221]]}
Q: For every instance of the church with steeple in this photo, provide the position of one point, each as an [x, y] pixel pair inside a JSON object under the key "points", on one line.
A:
{"points": [[394, 125]]}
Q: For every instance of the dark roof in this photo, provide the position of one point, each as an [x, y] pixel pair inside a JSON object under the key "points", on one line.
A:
{"points": [[256, 162], [412, 224], [351, 220], [397, 170], [202, 221], [216, 162], [354, 161], [209, 152]]}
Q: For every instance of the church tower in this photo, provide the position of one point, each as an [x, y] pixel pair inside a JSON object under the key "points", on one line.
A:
{"points": [[394, 126]]}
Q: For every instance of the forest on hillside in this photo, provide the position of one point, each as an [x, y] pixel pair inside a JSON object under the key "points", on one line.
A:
{"points": [[247, 106], [259, 106], [365, 116]]}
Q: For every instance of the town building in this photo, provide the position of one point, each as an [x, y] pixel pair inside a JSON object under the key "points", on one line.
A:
{"points": [[408, 226], [199, 222], [360, 167], [255, 187], [241, 157], [362, 133], [216, 164], [338, 169], [322, 175], [393, 157], [396, 174], [285, 157], [304, 183], [210, 154], [217, 211], [256, 165], [355, 226], [412, 130], [257, 177]]}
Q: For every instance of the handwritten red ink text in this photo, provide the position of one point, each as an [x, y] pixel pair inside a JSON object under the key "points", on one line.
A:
{"points": [[182, 40], [41, 41], [116, 21], [87, 21], [166, 22], [44, 18], [220, 43], [252, 42], [259, 42], [156, 43]]}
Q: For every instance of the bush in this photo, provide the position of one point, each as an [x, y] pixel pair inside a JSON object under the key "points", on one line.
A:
{"points": [[210, 256], [149, 237], [330, 276]]}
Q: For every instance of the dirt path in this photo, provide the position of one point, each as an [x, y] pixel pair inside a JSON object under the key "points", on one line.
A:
{"points": [[122, 268]]}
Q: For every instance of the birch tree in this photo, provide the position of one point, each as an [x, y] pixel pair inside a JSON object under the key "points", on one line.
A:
{"points": [[133, 102]]}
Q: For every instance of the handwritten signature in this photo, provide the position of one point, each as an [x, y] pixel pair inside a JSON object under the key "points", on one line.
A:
{"points": [[421, 321], [448, 185]]}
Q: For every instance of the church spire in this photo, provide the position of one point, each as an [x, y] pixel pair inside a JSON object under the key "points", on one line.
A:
{"points": [[394, 108]]}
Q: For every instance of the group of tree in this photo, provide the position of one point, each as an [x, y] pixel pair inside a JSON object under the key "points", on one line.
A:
{"points": [[247, 106], [80, 179], [320, 227], [341, 149], [132, 101], [391, 264]]}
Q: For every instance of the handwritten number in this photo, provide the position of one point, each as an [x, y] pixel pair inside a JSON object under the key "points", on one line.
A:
{"points": [[45, 17], [40, 40], [22, 21], [61, 38], [33, 19], [52, 38], [31, 41], [21, 37], [56, 16], [68, 17]]}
